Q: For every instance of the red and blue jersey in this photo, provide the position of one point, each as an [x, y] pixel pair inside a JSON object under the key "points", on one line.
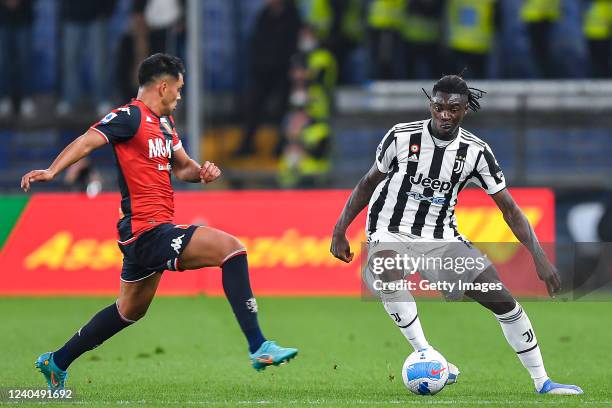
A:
{"points": [[143, 144]]}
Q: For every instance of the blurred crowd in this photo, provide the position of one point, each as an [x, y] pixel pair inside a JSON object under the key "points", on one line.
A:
{"points": [[88, 66], [292, 67], [401, 39], [404, 39], [297, 52]]}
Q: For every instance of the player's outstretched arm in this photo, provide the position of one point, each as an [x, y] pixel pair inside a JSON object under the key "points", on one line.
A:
{"points": [[522, 229], [359, 198], [75, 151], [187, 169]]}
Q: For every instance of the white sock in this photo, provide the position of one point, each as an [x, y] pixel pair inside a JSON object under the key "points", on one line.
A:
{"points": [[403, 310], [520, 335]]}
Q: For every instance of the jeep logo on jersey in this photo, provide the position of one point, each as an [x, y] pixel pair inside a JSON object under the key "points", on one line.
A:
{"points": [[160, 148], [434, 184]]}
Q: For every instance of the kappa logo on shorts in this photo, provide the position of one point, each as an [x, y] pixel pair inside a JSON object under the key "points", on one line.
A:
{"points": [[177, 243]]}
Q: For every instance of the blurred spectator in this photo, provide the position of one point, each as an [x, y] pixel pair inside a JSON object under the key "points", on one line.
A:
{"points": [[472, 25], [16, 57], [422, 32], [314, 74], [155, 26], [338, 25], [83, 176], [385, 21], [597, 26], [161, 22], [273, 42], [540, 17], [306, 157], [84, 26]]}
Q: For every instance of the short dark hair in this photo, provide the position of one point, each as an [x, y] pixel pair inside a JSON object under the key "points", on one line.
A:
{"points": [[159, 64], [457, 85]]}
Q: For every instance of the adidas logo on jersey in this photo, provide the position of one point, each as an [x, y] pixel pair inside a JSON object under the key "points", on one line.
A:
{"points": [[434, 184], [413, 158]]}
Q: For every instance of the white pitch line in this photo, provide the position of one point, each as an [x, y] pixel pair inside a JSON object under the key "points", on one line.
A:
{"points": [[340, 402]]}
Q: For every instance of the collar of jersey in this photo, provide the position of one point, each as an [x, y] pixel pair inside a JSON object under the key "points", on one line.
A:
{"points": [[148, 109], [452, 144]]}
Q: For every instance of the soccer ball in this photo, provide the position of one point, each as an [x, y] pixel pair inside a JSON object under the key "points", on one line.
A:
{"points": [[425, 372]]}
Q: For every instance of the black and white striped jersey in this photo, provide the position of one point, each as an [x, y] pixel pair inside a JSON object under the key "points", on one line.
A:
{"points": [[419, 194]]}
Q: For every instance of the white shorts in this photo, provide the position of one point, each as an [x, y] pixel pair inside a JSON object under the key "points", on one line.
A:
{"points": [[448, 264]]}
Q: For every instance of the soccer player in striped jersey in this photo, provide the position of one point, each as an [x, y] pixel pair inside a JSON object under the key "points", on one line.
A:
{"points": [[148, 151], [412, 189]]}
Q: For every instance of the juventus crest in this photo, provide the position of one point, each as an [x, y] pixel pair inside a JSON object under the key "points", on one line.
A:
{"points": [[459, 163]]}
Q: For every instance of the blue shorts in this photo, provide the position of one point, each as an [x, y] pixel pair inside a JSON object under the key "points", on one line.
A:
{"points": [[155, 250]]}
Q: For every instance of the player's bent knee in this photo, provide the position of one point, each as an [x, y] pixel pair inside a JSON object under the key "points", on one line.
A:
{"points": [[236, 245], [233, 247], [384, 277], [132, 313], [382, 266], [398, 295]]}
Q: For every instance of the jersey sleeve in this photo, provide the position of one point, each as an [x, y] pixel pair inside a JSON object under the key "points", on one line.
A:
{"points": [[488, 173], [120, 125], [386, 151]]}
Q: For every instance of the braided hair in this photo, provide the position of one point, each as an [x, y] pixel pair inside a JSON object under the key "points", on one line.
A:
{"points": [[457, 85]]}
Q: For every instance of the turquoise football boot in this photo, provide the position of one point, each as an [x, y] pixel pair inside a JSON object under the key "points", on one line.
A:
{"points": [[54, 376], [269, 353]]}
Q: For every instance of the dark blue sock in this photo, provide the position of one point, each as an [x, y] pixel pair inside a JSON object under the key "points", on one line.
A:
{"points": [[105, 324], [238, 291]]}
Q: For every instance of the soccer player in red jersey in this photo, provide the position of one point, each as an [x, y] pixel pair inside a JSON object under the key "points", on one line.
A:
{"points": [[147, 150]]}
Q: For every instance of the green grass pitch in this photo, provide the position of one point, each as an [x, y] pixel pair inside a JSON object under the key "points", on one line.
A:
{"points": [[190, 352]]}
